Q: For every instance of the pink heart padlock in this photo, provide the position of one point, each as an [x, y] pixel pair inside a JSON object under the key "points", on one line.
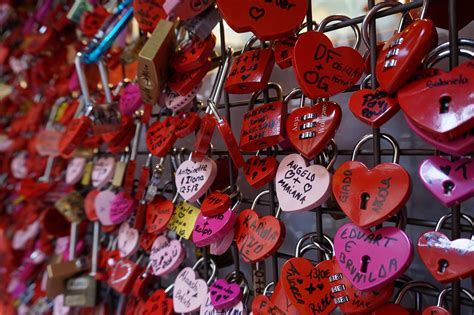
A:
{"points": [[23, 236], [208, 309], [130, 100], [221, 246], [210, 229], [371, 259], [300, 187], [225, 295], [102, 203], [176, 102], [121, 208], [189, 293], [128, 240], [166, 255], [193, 179], [18, 167], [103, 171], [450, 182], [75, 170]]}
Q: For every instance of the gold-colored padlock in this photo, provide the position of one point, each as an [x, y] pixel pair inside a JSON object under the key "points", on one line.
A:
{"points": [[71, 207]]}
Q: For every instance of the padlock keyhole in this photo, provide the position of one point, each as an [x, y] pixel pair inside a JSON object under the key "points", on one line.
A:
{"points": [[448, 187], [364, 199], [442, 265], [365, 263], [444, 104]]}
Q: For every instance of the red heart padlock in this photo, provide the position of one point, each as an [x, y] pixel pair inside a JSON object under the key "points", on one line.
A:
{"points": [[260, 171], [146, 241], [92, 21], [123, 275], [307, 287], [215, 203], [74, 135], [187, 123], [435, 310], [203, 137], [281, 301], [159, 303], [449, 109], [309, 129], [283, 49], [194, 54], [251, 70], [263, 127], [369, 197], [158, 214], [148, 13], [321, 69], [261, 305], [183, 82], [373, 107], [402, 54], [257, 238], [187, 9], [160, 137], [247, 15]]}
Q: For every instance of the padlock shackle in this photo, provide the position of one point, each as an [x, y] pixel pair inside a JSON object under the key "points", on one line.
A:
{"points": [[239, 277], [218, 86], [410, 285], [73, 240], [136, 140], [299, 251], [371, 15], [442, 51], [267, 291], [464, 216], [271, 85], [95, 248], [442, 295], [305, 25], [332, 158], [248, 45], [260, 195], [332, 18], [273, 149], [213, 266], [387, 137]]}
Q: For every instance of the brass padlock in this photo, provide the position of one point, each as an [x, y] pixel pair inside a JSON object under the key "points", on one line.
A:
{"points": [[154, 60], [71, 207]]}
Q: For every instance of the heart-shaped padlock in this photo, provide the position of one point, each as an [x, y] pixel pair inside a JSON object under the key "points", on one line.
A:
{"points": [[208, 308], [246, 15], [166, 255], [148, 13], [103, 171], [188, 122], [185, 82], [204, 136], [259, 171], [215, 203], [221, 246], [321, 69], [75, 170], [158, 214], [159, 303], [439, 309], [261, 305], [193, 54], [369, 197], [207, 230], [130, 99], [381, 256], [160, 136], [187, 9], [193, 179], [450, 182], [128, 240], [177, 102], [310, 128], [224, 294], [447, 260], [123, 275]]}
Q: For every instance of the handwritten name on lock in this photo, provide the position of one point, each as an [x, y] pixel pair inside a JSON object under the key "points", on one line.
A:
{"points": [[183, 220], [208, 309], [189, 293]]}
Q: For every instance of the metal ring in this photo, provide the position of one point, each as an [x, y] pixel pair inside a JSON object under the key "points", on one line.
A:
{"points": [[331, 18], [305, 25], [271, 85], [213, 265], [310, 236], [410, 285], [249, 43], [464, 216], [387, 137], [442, 51], [266, 290], [443, 293], [369, 17]]}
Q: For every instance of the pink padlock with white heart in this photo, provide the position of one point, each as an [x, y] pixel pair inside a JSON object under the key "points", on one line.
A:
{"points": [[166, 256], [193, 179], [224, 294], [371, 259], [128, 240], [300, 187], [75, 170], [103, 171], [222, 245], [177, 102], [102, 203], [207, 230], [121, 208], [130, 100], [189, 293], [450, 182]]}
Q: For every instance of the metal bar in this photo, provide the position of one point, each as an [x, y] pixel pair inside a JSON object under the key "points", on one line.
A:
{"points": [[346, 152]]}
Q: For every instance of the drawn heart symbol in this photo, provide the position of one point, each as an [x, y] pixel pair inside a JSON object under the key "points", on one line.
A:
{"points": [[121, 208], [193, 179], [208, 309], [160, 137], [187, 123], [158, 214], [369, 197], [410, 47], [102, 203], [158, 303], [215, 203], [261, 305], [244, 16], [207, 230], [260, 171], [166, 255], [309, 129], [450, 182], [321, 69], [128, 240], [300, 187], [308, 288], [372, 259], [459, 146], [449, 104], [373, 107], [221, 246], [130, 100], [189, 293], [356, 301], [446, 260], [257, 238], [225, 295], [121, 272], [102, 172], [176, 102], [75, 170]]}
